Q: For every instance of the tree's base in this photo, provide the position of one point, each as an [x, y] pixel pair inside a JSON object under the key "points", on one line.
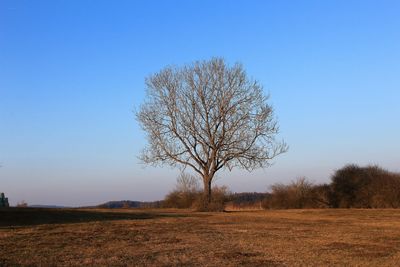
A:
{"points": [[203, 205]]}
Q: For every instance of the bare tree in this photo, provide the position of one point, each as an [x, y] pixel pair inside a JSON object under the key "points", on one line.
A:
{"points": [[208, 116]]}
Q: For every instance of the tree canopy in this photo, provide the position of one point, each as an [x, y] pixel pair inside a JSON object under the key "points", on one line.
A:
{"points": [[208, 116]]}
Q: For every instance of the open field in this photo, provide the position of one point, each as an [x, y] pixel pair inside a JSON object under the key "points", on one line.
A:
{"points": [[167, 238]]}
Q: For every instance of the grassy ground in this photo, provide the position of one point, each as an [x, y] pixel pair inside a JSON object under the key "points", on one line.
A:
{"points": [[164, 238]]}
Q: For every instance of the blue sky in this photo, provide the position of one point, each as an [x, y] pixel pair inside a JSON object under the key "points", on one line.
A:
{"points": [[72, 73]]}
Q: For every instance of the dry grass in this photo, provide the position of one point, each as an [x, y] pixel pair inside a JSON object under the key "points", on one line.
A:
{"points": [[170, 238]]}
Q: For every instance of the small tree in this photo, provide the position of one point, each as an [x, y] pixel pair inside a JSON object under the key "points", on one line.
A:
{"points": [[208, 116]]}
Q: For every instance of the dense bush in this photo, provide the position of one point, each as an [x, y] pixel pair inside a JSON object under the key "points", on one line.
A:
{"points": [[388, 193], [350, 187], [321, 196], [365, 187]]}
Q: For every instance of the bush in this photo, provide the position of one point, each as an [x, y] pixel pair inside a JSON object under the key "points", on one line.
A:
{"points": [[185, 193], [297, 195], [219, 196], [180, 200], [351, 187], [388, 193], [321, 196], [365, 187]]}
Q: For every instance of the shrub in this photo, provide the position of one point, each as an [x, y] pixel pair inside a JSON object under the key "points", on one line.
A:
{"points": [[219, 196], [297, 195], [321, 196], [185, 193], [365, 187], [180, 200], [351, 187]]}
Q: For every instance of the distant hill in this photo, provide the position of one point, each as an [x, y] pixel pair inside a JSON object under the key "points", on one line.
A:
{"points": [[130, 204], [48, 206]]}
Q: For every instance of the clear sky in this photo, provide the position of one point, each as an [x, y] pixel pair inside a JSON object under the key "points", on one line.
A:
{"points": [[72, 73]]}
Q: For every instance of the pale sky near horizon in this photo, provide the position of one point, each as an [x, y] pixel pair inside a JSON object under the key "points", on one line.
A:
{"points": [[72, 73]]}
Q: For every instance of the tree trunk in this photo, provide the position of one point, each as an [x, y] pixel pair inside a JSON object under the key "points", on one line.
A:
{"points": [[207, 189]]}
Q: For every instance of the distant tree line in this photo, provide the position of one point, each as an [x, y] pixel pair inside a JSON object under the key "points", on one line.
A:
{"points": [[130, 204]]}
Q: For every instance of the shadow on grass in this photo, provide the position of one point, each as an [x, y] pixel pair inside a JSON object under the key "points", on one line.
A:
{"points": [[10, 217]]}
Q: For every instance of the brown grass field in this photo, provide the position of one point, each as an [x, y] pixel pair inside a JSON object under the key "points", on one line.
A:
{"points": [[73, 237]]}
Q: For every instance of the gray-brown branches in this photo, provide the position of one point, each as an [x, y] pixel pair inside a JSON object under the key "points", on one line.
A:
{"points": [[208, 116]]}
